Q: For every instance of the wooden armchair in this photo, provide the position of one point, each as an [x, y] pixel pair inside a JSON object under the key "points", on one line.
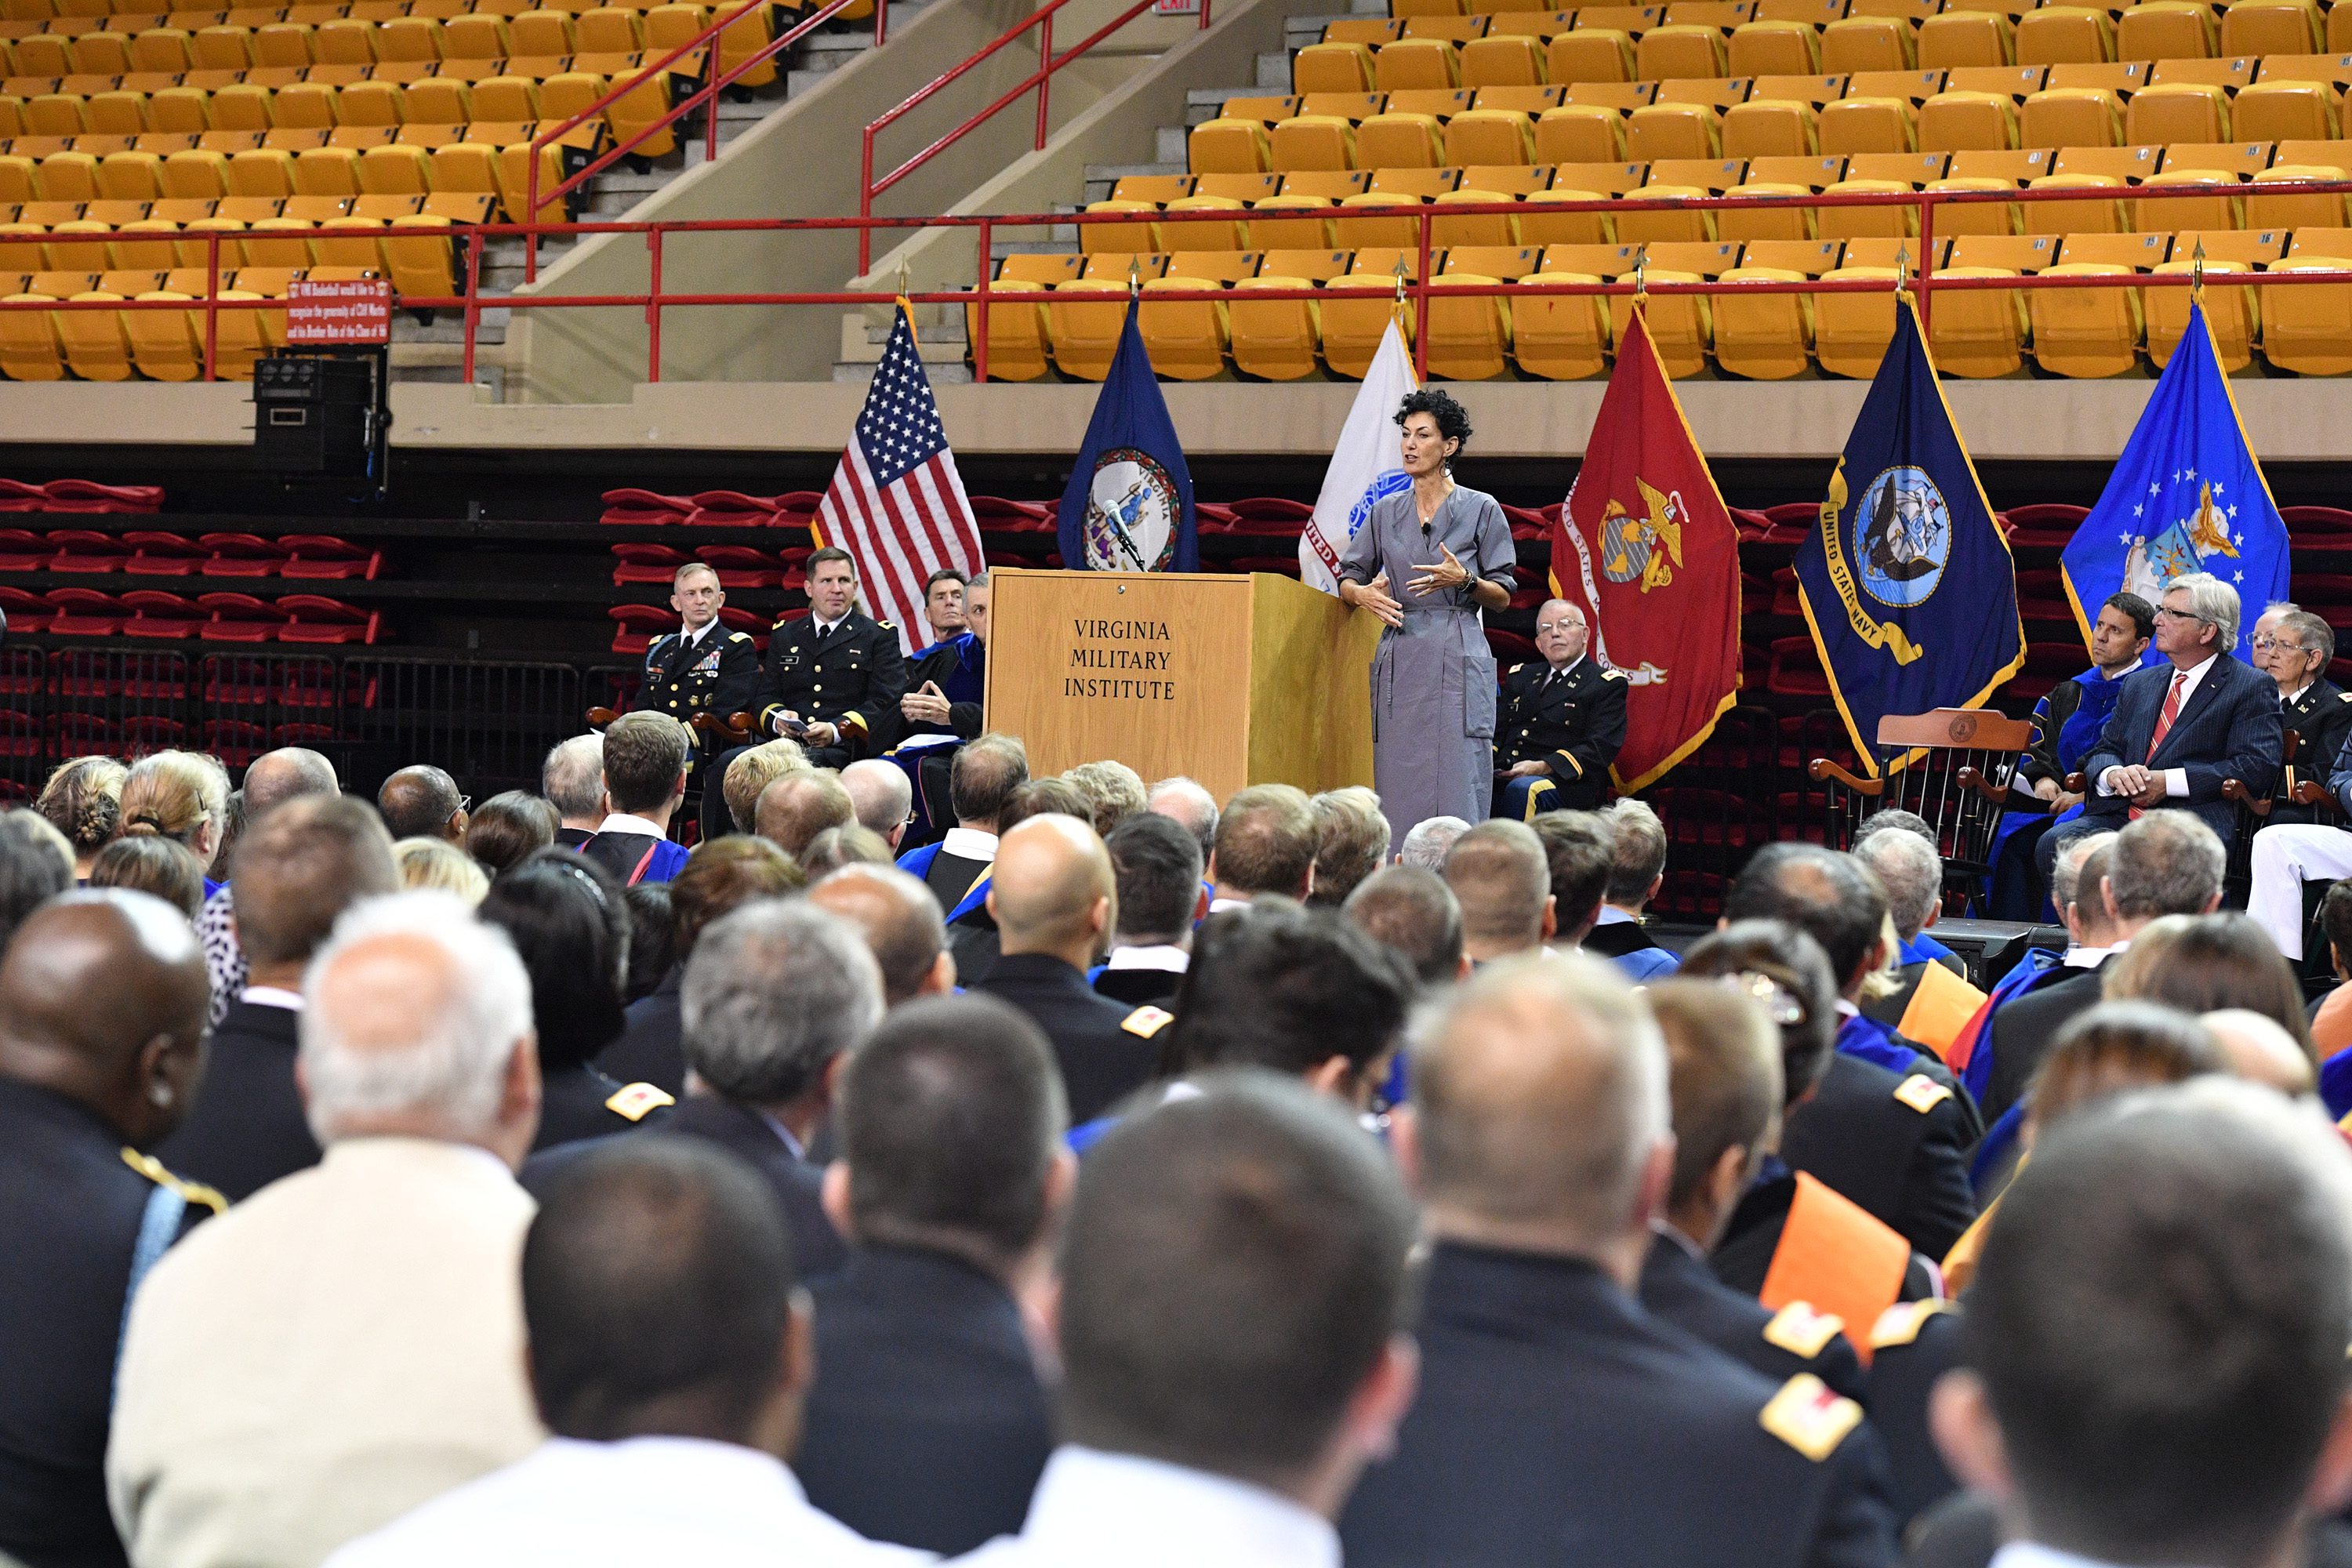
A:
{"points": [[1952, 766]]}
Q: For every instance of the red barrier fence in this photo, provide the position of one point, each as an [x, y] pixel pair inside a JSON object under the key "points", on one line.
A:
{"points": [[1417, 291]]}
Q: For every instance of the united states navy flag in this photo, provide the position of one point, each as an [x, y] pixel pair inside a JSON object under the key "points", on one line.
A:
{"points": [[1906, 582], [1128, 507], [2186, 495]]}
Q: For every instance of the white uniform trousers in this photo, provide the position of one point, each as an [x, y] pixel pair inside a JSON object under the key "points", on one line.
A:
{"points": [[2285, 857]]}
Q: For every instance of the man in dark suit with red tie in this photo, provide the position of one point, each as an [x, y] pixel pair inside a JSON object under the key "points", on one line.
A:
{"points": [[2182, 726]]}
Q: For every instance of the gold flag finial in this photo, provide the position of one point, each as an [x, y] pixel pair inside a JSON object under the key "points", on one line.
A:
{"points": [[1902, 268], [1134, 276], [2197, 273], [1642, 275], [1398, 309]]}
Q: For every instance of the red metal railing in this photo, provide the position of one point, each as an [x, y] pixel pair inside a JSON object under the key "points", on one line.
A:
{"points": [[1418, 290], [1041, 79], [714, 81]]}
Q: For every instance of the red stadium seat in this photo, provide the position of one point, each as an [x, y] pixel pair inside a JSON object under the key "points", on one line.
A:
{"points": [[16, 495], [2048, 524], [26, 612], [1510, 648], [20, 734], [647, 563], [322, 557], [1271, 515], [241, 555], [85, 613], [83, 549], [235, 742], [2322, 520], [239, 617], [90, 496], [318, 620], [644, 509], [161, 615], [640, 624], [740, 566], [154, 554], [23, 551], [1796, 670], [758, 626], [731, 509]]}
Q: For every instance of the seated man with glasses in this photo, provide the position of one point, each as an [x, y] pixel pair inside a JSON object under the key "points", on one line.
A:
{"points": [[2295, 647], [2181, 727], [1560, 723]]}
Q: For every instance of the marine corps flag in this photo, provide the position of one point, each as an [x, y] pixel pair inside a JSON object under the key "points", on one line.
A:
{"points": [[1906, 581], [1645, 548]]}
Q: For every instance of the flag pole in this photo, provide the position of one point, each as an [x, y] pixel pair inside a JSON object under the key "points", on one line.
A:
{"points": [[2197, 273], [1397, 309]]}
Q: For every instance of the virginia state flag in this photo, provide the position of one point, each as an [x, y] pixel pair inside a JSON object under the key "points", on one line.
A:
{"points": [[1646, 547], [1365, 466], [1906, 582], [2186, 495], [1128, 507]]}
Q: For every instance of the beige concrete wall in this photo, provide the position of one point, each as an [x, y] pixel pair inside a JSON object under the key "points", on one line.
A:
{"points": [[802, 162], [2289, 420]]}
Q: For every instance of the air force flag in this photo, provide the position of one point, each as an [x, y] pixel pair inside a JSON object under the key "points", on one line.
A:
{"points": [[1128, 507], [1364, 466], [2186, 495], [1906, 582]]}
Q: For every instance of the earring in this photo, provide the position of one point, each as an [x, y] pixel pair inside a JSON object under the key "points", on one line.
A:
{"points": [[161, 1093]]}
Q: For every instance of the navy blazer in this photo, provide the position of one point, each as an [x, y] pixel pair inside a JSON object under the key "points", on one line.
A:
{"points": [[2230, 728], [928, 1424]]}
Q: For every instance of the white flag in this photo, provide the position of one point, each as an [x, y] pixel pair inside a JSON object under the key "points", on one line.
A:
{"points": [[1365, 466]]}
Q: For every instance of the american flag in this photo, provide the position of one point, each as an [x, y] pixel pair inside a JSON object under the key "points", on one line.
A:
{"points": [[896, 503]]}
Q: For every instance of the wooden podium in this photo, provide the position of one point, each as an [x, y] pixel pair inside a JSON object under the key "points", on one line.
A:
{"points": [[1233, 680]]}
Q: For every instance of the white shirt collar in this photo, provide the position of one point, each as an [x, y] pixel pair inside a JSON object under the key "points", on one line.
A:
{"points": [[2296, 695], [1216, 905], [1846, 1009], [1611, 915], [1150, 956], [272, 996], [824, 628], [1093, 1508], [2033, 1554], [693, 640], [969, 844], [1560, 669], [2196, 674], [2081, 957], [622, 822]]}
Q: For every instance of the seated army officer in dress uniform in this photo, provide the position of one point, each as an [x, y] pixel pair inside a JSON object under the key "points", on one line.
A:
{"points": [[833, 680], [1561, 724], [703, 668]]}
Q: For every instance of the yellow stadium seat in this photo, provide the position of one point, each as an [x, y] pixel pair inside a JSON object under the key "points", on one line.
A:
{"points": [[1772, 128], [2069, 34], [304, 106], [20, 248], [66, 177], [1768, 48], [29, 339], [94, 346], [1975, 217], [1967, 121], [1186, 339], [2087, 332], [1549, 228], [164, 345], [2230, 311], [374, 102], [437, 101], [1767, 223], [1673, 130], [411, 38], [241, 106], [2166, 30], [2304, 330], [1354, 233], [1579, 134], [1242, 188], [2287, 110], [195, 174], [279, 242], [505, 98], [261, 172], [1413, 63], [418, 254], [569, 93], [1863, 222], [1470, 336], [223, 46], [1979, 334], [2070, 117], [42, 54], [351, 242], [146, 244], [1400, 141], [1276, 340], [2282, 209], [2181, 111], [326, 172], [2102, 217], [199, 238], [283, 44], [1226, 147], [183, 110], [2189, 212], [1675, 52], [1491, 229], [1017, 330], [1508, 60], [1851, 332], [1352, 327], [541, 32], [79, 246], [1123, 239], [344, 41], [55, 114], [514, 178], [1869, 44], [2271, 28], [1590, 54], [1331, 67], [1229, 235], [16, 179], [1766, 337], [395, 170], [1311, 141], [478, 37], [670, 25], [1867, 125], [1490, 136], [1561, 337], [1667, 227], [611, 29], [100, 54], [1965, 39], [118, 112], [1271, 231], [745, 35]]}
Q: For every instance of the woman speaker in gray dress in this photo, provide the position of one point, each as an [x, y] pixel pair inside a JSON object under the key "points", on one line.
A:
{"points": [[1432, 676]]}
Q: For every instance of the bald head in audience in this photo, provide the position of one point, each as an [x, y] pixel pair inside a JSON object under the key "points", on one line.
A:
{"points": [[1415, 914], [796, 807], [287, 774], [102, 1000], [901, 924], [882, 797], [1540, 1117], [2259, 1049], [1502, 879], [1053, 890], [423, 802]]}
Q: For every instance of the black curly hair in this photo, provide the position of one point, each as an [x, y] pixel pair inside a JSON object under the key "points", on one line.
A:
{"points": [[1453, 419]]}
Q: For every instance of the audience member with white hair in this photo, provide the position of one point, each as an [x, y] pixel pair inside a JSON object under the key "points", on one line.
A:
{"points": [[347, 1342], [1429, 841], [883, 797], [573, 777]]}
